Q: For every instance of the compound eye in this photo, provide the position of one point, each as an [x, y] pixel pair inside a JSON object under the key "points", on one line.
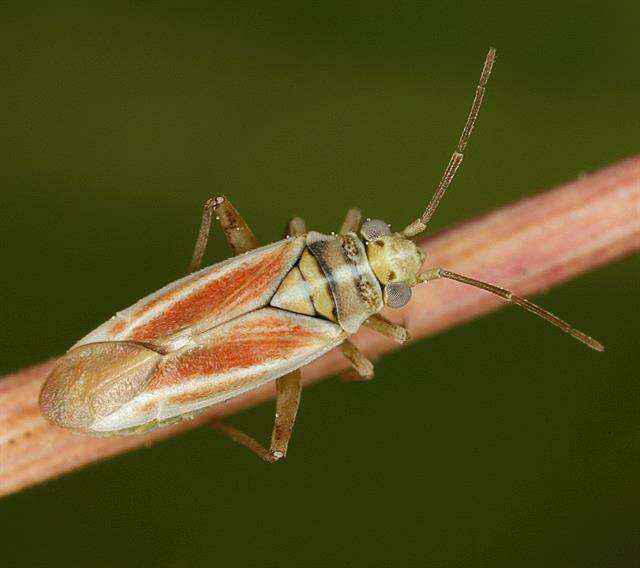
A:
{"points": [[374, 228], [396, 294]]}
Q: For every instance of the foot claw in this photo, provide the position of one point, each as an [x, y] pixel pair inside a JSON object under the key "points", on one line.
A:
{"points": [[273, 456]]}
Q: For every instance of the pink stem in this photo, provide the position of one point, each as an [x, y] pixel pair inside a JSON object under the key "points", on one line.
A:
{"points": [[528, 246]]}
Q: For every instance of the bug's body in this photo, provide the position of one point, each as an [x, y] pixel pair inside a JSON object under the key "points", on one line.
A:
{"points": [[256, 317], [214, 334]]}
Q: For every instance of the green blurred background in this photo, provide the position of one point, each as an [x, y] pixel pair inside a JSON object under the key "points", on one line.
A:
{"points": [[500, 443]]}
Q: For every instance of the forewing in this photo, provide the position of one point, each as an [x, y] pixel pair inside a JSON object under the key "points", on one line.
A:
{"points": [[227, 360], [176, 314]]}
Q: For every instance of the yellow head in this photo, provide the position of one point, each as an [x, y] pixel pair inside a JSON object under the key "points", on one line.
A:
{"points": [[394, 259]]}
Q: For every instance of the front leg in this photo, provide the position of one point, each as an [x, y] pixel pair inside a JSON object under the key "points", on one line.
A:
{"points": [[382, 325]]}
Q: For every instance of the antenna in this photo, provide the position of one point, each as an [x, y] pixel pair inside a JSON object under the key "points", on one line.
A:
{"points": [[509, 296], [420, 224]]}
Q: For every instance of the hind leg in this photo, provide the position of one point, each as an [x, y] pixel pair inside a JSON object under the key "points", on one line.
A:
{"points": [[239, 235], [288, 390]]}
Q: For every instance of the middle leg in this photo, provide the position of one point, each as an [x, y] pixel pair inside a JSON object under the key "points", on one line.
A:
{"points": [[352, 221], [362, 368], [288, 391]]}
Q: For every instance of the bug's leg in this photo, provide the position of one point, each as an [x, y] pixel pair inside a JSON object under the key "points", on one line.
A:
{"points": [[241, 438], [295, 227], [509, 296], [288, 390], [288, 387], [385, 327], [239, 235], [361, 366], [352, 221], [203, 235]]}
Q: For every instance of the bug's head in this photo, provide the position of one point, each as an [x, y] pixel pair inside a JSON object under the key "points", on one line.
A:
{"points": [[395, 260]]}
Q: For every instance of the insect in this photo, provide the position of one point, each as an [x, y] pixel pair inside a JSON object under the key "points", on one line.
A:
{"points": [[258, 316]]}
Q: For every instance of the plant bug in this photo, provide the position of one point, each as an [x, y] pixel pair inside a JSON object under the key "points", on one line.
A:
{"points": [[258, 316]]}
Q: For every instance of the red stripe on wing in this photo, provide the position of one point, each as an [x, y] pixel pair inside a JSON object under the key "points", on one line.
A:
{"points": [[227, 360], [252, 347], [255, 341], [243, 285], [118, 327]]}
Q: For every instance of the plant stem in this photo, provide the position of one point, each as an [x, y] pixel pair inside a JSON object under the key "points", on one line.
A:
{"points": [[528, 246]]}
